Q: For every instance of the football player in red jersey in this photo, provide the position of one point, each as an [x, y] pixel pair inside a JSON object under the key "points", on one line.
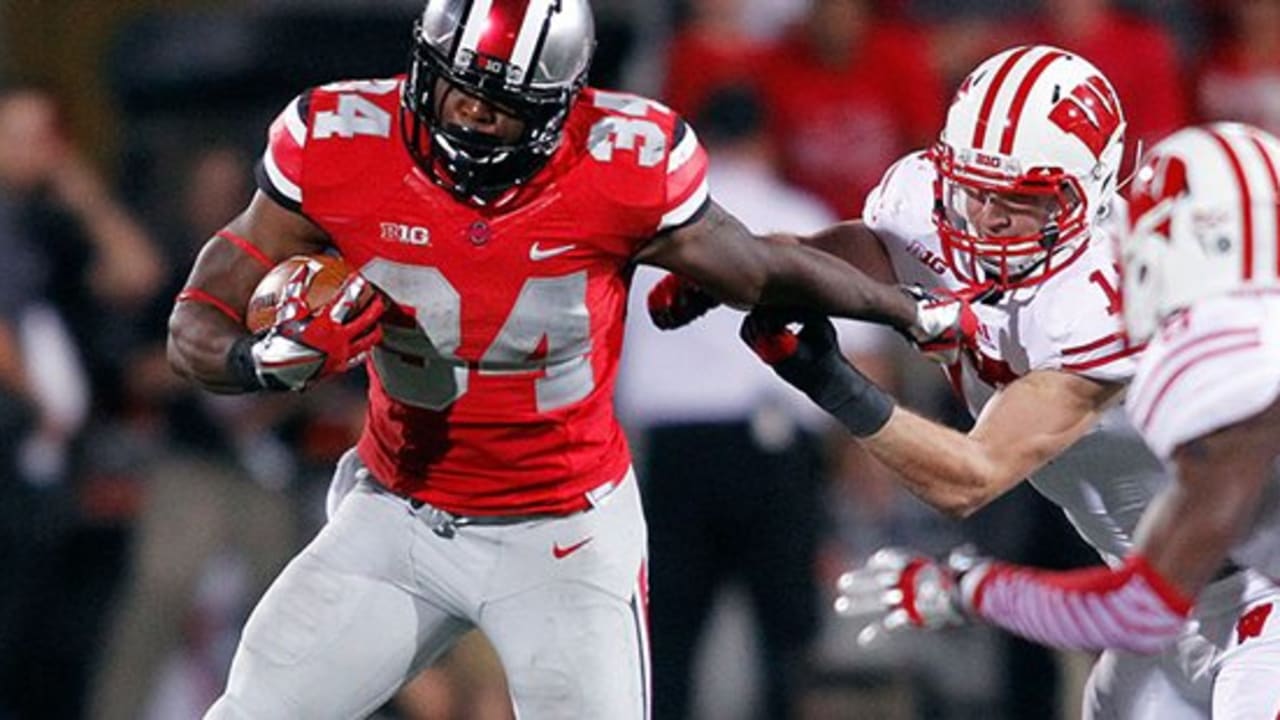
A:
{"points": [[497, 204]]}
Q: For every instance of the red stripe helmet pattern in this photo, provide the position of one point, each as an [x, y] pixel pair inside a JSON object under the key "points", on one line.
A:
{"points": [[527, 57], [1203, 211], [1039, 124]]}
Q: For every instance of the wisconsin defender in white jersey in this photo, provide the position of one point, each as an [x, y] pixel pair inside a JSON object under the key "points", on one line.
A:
{"points": [[1005, 218]]}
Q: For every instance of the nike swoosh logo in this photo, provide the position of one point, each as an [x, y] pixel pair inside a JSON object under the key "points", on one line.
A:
{"points": [[536, 253], [561, 553]]}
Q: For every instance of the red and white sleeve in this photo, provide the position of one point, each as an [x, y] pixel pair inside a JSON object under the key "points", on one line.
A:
{"points": [[1128, 608], [687, 190], [279, 172]]}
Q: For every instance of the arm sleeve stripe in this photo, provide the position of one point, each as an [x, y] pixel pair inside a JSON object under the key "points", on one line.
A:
{"points": [[686, 145], [1191, 362], [295, 122], [687, 209], [247, 247], [1129, 608], [283, 185], [1141, 396], [200, 296], [1120, 354], [1095, 345]]}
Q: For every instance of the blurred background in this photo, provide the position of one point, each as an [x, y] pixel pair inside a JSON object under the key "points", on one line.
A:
{"points": [[140, 521]]}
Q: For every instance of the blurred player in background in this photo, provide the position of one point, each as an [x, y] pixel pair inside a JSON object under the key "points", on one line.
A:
{"points": [[1011, 210], [1200, 284], [497, 205]]}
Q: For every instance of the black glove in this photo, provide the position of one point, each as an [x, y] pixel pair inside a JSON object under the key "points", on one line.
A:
{"points": [[811, 361]]}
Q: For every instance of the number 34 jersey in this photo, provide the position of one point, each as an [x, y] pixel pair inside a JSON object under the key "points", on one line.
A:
{"points": [[491, 392]]}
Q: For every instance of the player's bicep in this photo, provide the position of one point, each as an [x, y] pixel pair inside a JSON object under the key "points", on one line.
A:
{"points": [[856, 244], [233, 261], [1035, 418], [1191, 527], [714, 250]]}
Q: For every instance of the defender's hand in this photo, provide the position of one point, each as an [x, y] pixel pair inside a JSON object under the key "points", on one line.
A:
{"points": [[305, 344], [898, 588], [945, 321], [675, 302], [811, 361]]}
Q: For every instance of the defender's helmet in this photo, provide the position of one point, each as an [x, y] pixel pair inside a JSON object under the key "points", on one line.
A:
{"points": [[529, 58], [1033, 121], [1204, 222]]}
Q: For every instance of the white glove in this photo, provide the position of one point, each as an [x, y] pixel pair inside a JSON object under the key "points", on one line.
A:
{"points": [[945, 321], [899, 588]]}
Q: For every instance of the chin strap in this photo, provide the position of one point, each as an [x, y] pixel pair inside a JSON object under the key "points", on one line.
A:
{"points": [[1131, 607]]}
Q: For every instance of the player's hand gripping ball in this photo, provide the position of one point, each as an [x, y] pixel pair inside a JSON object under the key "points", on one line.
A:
{"points": [[317, 318]]}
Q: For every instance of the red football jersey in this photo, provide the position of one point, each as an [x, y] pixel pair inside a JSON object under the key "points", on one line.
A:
{"points": [[491, 392]]}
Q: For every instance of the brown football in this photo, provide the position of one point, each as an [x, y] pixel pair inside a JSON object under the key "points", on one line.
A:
{"points": [[333, 270]]}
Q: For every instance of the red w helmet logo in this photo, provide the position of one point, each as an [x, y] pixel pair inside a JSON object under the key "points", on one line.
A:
{"points": [[1161, 178], [1091, 112]]}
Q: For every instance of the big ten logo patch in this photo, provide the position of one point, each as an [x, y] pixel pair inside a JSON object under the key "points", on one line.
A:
{"points": [[1252, 623], [926, 256]]}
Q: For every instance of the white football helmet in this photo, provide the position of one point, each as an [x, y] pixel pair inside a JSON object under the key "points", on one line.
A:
{"points": [[1204, 222], [1032, 121]]}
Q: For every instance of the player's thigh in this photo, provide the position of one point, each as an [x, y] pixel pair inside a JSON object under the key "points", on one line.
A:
{"points": [[572, 651], [1125, 686], [570, 626], [336, 634], [1247, 683]]}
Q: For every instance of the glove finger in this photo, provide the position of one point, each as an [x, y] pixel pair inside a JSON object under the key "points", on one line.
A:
{"points": [[366, 342], [367, 317], [896, 620], [772, 342], [873, 635], [889, 558], [817, 332]]}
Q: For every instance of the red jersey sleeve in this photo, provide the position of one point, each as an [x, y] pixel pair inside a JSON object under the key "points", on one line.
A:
{"points": [[687, 193], [279, 171], [645, 167]]}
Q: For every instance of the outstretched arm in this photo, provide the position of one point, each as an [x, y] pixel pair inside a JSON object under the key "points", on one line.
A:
{"points": [[1183, 541], [1026, 424], [725, 259]]}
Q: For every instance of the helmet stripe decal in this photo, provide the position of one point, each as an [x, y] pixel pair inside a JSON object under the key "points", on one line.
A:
{"points": [[474, 25], [535, 18], [1246, 202], [1020, 99], [503, 28], [989, 101], [1275, 191]]}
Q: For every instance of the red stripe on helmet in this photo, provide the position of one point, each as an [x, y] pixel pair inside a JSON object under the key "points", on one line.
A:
{"points": [[502, 29], [1020, 99], [1275, 190], [1246, 201], [989, 101]]}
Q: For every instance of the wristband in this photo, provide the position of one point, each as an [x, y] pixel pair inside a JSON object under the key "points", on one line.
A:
{"points": [[241, 367], [838, 387]]}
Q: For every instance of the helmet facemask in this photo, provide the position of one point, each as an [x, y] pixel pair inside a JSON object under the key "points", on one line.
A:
{"points": [[967, 181], [475, 165]]}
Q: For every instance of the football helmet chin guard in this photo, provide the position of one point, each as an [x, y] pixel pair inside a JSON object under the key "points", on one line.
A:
{"points": [[1034, 122], [529, 58]]}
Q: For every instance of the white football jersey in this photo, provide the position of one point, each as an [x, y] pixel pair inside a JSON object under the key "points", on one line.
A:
{"points": [[1207, 368], [1071, 322]]}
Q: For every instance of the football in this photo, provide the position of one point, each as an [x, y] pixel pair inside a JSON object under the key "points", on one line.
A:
{"points": [[330, 272]]}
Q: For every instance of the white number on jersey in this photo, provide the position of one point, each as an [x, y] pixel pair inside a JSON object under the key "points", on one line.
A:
{"points": [[356, 115], [615, 133], [548, 332]]}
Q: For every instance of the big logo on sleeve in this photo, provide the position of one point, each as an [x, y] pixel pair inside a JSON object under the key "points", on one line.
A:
{"points": [[1091, 112]]}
